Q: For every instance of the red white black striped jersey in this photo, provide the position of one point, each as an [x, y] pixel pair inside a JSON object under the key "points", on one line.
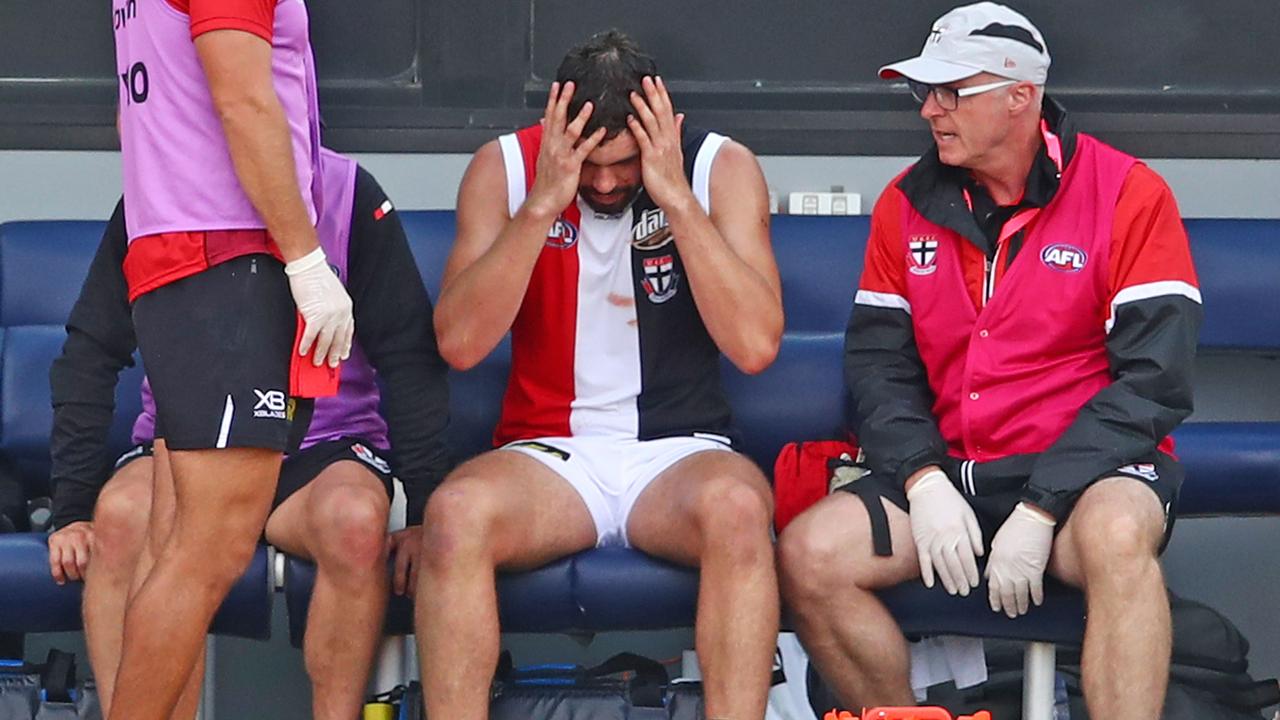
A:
{"points": [[608, 340]]}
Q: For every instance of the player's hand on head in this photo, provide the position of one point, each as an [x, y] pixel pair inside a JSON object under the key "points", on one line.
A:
{"points": [[70, 548], [657, 129], [563, 151], [325, 307]]}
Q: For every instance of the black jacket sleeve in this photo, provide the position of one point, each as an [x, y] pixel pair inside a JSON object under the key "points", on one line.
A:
{"points": [[394, 326], [890, 397], [82, 381], [891, 408], [1151, 349]]}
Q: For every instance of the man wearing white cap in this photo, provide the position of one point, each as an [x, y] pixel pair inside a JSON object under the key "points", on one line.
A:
{"points": [[1028, 303]]}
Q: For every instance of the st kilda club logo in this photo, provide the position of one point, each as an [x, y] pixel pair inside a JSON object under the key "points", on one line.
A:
{"points": [[922, 254]]}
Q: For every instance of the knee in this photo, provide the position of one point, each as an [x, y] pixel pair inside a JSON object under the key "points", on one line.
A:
{"points": [[351, 527], [812, 561], [460, 519], [734, 515], [1117, 536], [120, 523]]}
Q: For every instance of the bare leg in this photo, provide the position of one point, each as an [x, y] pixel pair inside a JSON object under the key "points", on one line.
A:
{"points": [[119, 534], [712, 510], [828, 572], [222, 499], [1109, 547], [500, 510], [339, 520]]}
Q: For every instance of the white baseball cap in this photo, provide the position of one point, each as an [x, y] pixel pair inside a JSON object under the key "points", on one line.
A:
{"points": [[983, 37]]}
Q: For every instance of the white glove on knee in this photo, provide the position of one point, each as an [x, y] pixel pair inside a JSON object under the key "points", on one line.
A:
{"points": [[1019, 555], [324, 305], [948, 539]]}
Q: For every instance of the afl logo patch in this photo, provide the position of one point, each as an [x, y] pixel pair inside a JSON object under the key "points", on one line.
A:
{"points": [[1064, 258], [563, 234], [923, 255]]}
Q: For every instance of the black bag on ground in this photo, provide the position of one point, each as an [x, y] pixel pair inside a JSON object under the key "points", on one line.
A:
{"points": [[13, 518], [46, 691], [624, 687], [1208, 679]]}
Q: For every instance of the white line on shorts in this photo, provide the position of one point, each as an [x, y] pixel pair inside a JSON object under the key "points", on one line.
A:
{"points": [[225, 430]]}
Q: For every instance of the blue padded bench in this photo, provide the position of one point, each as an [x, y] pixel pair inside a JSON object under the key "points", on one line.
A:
{"points": [[42, 265], [1233, 468]]}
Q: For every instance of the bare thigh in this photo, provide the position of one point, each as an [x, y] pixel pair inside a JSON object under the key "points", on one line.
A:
{"points": [[299, 523], [833, 539], [526, 514], [1119, 499], [669, 517]]}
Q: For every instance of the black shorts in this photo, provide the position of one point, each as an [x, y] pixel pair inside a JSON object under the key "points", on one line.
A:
{"points": [[217, 346], [137, 452], [304, 466], [1158, 471]]}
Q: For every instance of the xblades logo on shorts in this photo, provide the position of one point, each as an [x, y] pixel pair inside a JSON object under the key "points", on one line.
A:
{"points": [[271, 404]]}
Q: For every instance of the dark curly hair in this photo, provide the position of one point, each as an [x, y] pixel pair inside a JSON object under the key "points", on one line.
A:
{"points": [[605, 70]]}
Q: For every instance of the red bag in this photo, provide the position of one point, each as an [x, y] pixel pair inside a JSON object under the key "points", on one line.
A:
{"points": [[802, 475]]}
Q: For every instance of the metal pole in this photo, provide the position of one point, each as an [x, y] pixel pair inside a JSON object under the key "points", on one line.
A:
{"points": [[205, 709], [1038, 665]]}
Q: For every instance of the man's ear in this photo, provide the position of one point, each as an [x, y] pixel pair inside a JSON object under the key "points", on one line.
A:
{"points": [[1023, 98]]}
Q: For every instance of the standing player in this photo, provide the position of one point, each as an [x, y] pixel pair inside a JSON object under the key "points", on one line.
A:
{"points": [[219, 132], [625, 253], [332, 500]]}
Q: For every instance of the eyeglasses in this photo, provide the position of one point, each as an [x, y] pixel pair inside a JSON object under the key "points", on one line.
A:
{"points": [[948, 97]]}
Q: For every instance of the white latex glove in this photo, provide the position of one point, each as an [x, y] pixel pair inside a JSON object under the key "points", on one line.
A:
{"points": [[946, 532], [1019, 555], [326, 307]]}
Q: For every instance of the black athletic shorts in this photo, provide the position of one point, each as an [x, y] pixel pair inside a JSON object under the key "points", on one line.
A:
{"points": [[217, 346], [137, 452], [992, 506], [304, 466]]}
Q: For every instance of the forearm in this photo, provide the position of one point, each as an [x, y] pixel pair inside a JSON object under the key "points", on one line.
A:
{"points": [[741, 311], [477, 308], [262, 151]]}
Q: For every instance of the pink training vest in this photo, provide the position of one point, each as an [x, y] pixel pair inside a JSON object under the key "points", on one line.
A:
{"points": [[1010, 377], [178, 174]]}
